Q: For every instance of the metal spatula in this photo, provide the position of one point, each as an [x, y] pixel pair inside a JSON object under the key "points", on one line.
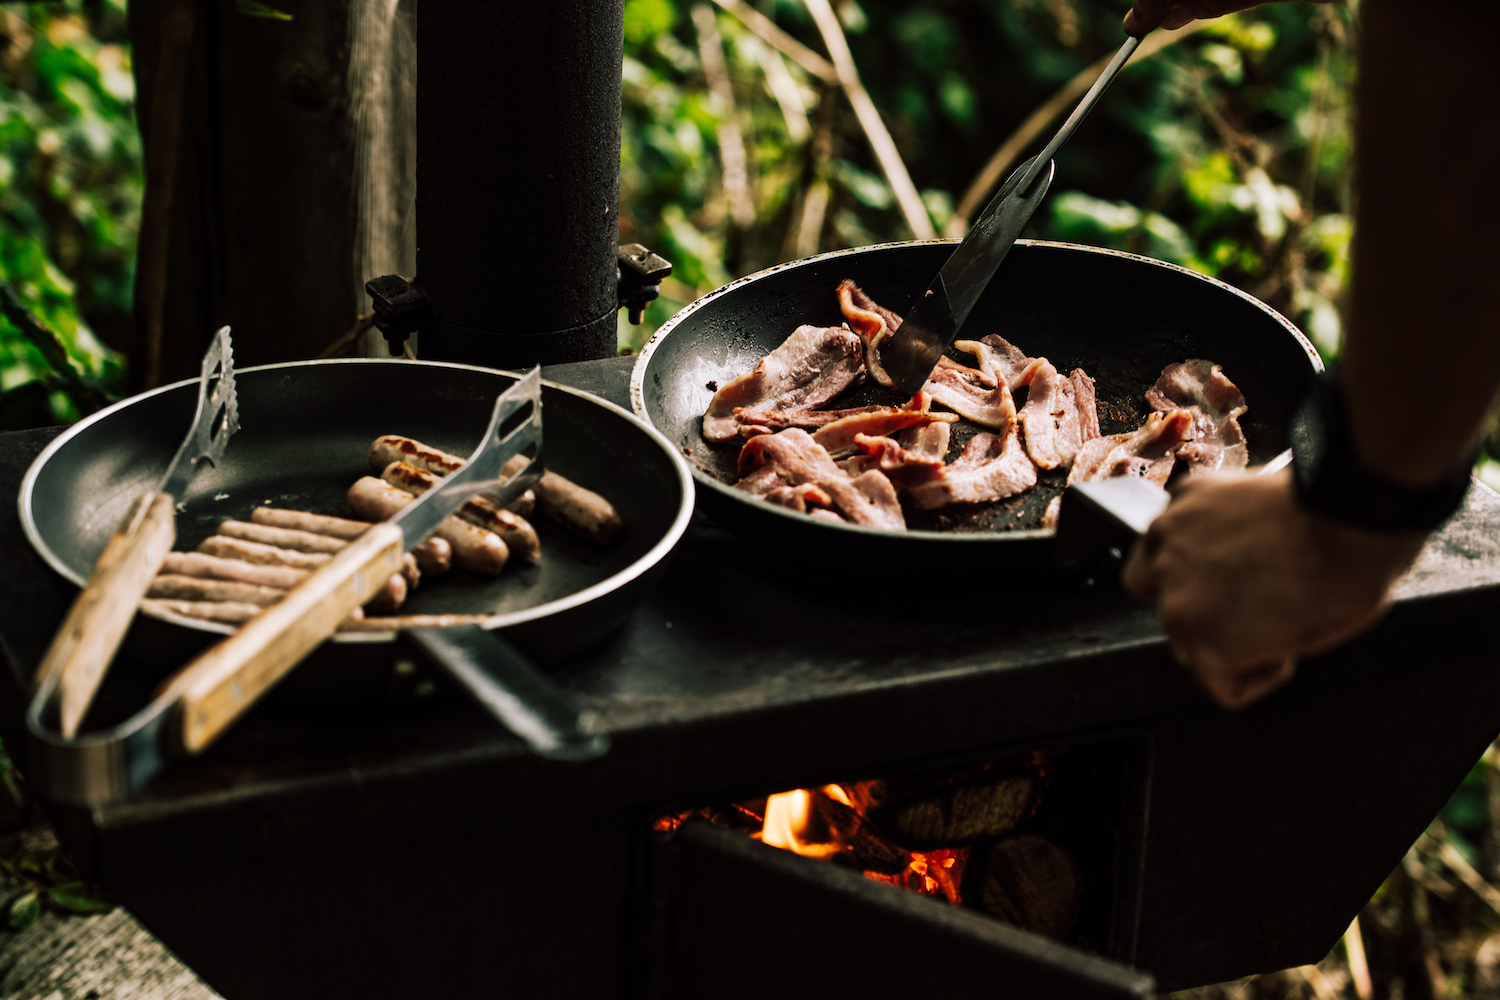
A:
{"points": [[81, 651], [932, 324]]}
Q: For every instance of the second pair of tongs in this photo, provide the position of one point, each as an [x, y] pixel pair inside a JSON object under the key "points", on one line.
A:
{"points": [[91, 633]]}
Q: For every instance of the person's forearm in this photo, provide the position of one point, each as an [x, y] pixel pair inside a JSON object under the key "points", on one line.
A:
{"points": [[1422, 355]]}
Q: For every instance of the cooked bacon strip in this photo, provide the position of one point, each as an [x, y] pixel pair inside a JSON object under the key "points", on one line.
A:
{"points": [[874, 323], [1149, 452], [992, 467], [810, 367], [793, 457], [982, 395], [841, 433], [824, 514]]}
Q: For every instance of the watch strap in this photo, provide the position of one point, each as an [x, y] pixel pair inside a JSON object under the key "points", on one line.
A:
{"points": [[1330, 479]]}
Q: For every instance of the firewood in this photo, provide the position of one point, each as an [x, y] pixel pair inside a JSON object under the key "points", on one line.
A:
{"points": [[866, 849], [1027, 880], [954, 815]]}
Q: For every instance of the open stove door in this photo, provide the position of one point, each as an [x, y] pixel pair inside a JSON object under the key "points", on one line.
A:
{"points": [[737, 919]]}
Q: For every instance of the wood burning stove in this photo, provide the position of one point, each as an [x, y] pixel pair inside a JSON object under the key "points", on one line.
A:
{"points": [[353, 836]]}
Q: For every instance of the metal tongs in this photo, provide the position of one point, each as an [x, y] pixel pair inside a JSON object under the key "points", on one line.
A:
{"points": [[80, 654], [201, 701]]}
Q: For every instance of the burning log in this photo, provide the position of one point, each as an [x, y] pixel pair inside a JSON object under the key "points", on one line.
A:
{"points": [[921, 818], [1027, 880], [865, 848]]}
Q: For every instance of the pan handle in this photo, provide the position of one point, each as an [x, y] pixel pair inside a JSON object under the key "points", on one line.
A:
{"points": [[500, 679]]}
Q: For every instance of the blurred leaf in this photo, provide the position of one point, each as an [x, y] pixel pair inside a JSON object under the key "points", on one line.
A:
{"points": [[78, 897], [645, 19], [25, 911], [251, 8]]}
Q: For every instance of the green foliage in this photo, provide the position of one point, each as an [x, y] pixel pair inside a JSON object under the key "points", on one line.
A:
{"points": [[1227, 152], [70, 192]]}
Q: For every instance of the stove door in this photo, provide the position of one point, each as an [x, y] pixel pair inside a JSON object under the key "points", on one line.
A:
{"points": [[740, 919]]}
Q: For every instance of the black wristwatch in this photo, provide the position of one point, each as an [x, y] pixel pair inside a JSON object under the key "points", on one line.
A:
{"points": [[1331, 480]]}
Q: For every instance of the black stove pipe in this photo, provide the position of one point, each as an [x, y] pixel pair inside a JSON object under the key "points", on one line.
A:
{"points": [[518, 179]]}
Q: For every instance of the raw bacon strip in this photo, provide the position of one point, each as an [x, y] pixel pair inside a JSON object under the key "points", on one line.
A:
{"points": [[1088, 406], [1149, 452], [873, 323], [992, 467], [841, 433], [799, 498], [902, 467], [1199, 386], [1007, 360], [930, 442], [758, 421], [811, 367], [1050, 419], [982, 395], [795, 458]]}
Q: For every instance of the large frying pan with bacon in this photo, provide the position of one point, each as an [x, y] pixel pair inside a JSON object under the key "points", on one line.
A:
{"points": [[1120, 317]]}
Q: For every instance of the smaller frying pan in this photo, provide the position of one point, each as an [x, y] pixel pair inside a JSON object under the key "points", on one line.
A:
{"points": [[306, 429]]}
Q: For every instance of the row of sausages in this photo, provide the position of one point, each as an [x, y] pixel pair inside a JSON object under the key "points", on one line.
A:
{"points": [[248, 565]]}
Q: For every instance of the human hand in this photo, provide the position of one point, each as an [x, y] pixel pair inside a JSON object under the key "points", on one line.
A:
{"points": [[1149, 14], [1246, 580]]}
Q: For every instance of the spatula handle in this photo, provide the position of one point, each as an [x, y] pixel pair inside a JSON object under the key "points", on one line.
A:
{"points": [[218, 686], [91, 633]]}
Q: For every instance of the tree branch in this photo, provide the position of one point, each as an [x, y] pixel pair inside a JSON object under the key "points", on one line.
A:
{"points": [[1048, 112], [881, 142]]}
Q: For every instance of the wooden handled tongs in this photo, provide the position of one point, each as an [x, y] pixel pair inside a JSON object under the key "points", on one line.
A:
{"points": [[84, 646], [202, 700]]}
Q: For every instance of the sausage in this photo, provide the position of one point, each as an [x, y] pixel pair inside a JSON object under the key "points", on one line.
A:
{"points": [[433, 556], [212, 567], [401, 622], [318, 524], [191, 588], [264, 555], [333, 527], [230, 612], [581, 511], [282, 538], [518, 534], [474, 549], [394, 448]]}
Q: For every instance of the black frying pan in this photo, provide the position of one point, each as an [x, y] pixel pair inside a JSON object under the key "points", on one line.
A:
{"points": [[1120, 317], [306, 428], [305, 431]]}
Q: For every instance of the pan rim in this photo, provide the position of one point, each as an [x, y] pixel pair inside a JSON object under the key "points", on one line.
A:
{"points": [[640, 566], [643, 361]]}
